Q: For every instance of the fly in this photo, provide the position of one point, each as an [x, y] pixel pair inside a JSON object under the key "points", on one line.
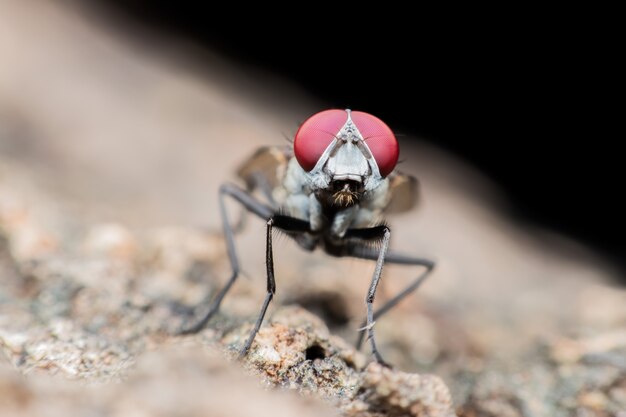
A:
{"points": [[330, 190]]}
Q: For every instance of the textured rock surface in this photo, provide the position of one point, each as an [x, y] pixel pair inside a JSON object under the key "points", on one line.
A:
{"points": [[112, 145], [176, 380], [92, 310]]}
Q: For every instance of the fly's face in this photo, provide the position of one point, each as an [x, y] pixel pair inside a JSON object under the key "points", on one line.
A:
{"points": [[345, 153]]}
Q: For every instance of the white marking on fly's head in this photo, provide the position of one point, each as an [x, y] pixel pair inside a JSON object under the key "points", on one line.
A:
{"points": [[347, 157], [348, 163]]}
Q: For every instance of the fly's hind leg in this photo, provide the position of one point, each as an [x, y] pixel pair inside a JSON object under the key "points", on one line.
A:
{"points": [[250, 204]]}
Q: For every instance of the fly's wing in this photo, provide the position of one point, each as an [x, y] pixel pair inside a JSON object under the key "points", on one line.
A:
{"points": [[404, 191], [265, 168]]}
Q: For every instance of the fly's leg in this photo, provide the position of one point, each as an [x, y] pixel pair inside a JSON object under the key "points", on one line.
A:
{"points": [[251, 204], [256, 181], [292, 226], [382, 234], [271, 287], [365, 252]]}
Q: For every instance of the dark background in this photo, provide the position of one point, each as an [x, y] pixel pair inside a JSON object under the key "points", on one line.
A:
{"points": [[530, 103]]}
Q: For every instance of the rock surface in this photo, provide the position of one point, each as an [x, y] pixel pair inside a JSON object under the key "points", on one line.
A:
{"points": [[92, 312]]}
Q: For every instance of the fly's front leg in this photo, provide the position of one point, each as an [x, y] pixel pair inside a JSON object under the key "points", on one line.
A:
{"points": [[369, 234], [371, 294], [271, 287], [292, 226], [366, 252], [359, 247]]}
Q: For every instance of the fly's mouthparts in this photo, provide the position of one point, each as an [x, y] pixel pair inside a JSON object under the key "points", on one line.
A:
{"points": [[346, 192], [344, 198]]}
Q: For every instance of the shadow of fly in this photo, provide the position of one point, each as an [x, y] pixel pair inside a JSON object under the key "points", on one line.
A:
{"points": [[330, 190]]}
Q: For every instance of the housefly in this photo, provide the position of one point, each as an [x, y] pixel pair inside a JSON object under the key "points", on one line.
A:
{"points": [[330, 190]]}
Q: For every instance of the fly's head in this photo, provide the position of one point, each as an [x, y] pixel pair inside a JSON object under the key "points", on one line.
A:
{"points": [[345, 154]]}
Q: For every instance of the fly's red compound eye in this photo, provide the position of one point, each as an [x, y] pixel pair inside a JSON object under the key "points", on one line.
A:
{"points": [[319, 130], [315, 134], [379, 139]]}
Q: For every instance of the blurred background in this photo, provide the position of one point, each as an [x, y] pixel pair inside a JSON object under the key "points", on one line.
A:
{"points": [[525, 101], [523, 104], [133, 112]]}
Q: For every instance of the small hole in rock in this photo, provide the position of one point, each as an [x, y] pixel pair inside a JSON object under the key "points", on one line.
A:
{"points": [[315, 352]]}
